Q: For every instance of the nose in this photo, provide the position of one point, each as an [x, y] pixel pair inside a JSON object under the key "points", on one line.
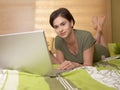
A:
{"points": [[60, 29]]}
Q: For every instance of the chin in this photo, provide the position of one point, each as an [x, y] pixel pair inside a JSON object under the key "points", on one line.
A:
{"points": [[64, 37]]}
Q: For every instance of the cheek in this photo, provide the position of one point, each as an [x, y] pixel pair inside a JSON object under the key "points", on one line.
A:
{"points": [[57, 31], [68, 26]]}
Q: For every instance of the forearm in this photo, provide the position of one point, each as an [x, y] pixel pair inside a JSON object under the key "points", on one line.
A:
{"points": [[53, 58]]}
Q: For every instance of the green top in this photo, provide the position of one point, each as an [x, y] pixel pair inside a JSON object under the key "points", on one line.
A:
{"points": [[85, 41]]}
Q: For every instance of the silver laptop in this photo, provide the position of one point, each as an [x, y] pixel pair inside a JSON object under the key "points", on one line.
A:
{"points": [[26, 52]]}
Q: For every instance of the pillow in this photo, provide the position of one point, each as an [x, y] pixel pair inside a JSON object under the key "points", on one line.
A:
{"points": [[114, 49]]}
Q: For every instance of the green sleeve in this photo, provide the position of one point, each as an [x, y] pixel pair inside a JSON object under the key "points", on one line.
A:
{"points": [[88, 41]]}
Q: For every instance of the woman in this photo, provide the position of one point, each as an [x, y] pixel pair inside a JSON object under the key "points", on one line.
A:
{"points": [[74, 47]]}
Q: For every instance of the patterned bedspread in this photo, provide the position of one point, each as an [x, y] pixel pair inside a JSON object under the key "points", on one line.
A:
{"points": [[104, 75]]}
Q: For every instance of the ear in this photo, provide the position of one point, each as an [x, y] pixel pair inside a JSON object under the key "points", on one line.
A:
{"points": [[72, 23]]}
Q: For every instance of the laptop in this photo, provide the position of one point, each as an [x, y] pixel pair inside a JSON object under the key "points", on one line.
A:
{"points": [[26, 51]]}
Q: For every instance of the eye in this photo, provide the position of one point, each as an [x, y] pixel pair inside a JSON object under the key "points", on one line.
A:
{"points": [[55, 27], [63, 23]]}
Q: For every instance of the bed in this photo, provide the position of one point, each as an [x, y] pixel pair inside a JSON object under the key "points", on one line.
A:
{"points": [[103, 75]]}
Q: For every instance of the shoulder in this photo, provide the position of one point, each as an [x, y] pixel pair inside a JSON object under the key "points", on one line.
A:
{"points": [[59, 43], [82, 33], [58, 40]]}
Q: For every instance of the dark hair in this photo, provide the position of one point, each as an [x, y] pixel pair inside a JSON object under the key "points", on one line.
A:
{"points": [[63, 12]]}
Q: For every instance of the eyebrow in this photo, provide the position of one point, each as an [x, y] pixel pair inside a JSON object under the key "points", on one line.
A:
{"points": [[60, 23]]}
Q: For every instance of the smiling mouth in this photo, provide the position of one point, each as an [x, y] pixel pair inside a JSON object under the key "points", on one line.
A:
{"points": [[62, 34]]}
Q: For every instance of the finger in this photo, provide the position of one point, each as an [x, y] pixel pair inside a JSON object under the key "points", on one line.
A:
{"points": [[64, 65], [67, 65]]}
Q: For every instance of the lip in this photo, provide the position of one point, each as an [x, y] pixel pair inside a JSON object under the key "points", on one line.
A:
{"points": [[62, 34]]}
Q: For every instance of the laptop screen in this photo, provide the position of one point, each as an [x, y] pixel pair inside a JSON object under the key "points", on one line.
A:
{"points": [[25, 51]]}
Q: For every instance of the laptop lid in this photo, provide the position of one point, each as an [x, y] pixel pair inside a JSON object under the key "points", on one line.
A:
{"points": [[26, 51]]}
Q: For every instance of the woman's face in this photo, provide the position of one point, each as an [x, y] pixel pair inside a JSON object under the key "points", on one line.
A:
{"points": [[63, 27]]}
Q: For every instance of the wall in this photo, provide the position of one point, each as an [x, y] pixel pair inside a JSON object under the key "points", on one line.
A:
{"points": [[116, 20], [23, 15], [16, 15], [82, 10]]}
